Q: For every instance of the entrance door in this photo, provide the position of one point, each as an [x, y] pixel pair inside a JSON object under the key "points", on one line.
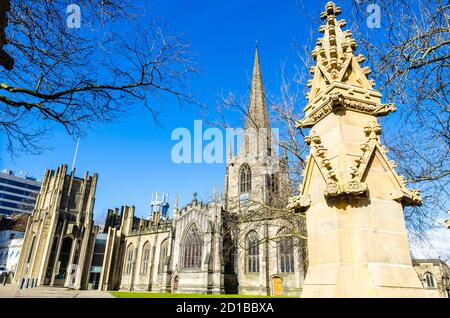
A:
{"points": [[277, 286], [64, 256]]}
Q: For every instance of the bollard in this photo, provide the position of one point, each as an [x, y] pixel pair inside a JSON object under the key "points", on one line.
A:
{"points": [[32, 283], [4, 279], [22, 281], [28, 283], [35, 283]]}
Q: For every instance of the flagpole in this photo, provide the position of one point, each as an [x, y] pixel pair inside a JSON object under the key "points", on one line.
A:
{"points": [[75, 155]]}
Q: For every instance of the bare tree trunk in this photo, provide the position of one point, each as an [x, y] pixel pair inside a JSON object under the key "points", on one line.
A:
{"points": [[5, 59]]}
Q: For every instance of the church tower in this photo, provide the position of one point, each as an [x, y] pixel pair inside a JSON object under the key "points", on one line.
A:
{"points": [[256, 175], [256, 190], [352, 195], [60, 234]]}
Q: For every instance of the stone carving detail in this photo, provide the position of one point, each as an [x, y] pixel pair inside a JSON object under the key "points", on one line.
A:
{"points": [[339, 80], [299, 203], [340, 83], [315, 117], [337, 101], [334, 187], [373, 131], [350, 188], [319, 153], [416, 197], [385, 109]]}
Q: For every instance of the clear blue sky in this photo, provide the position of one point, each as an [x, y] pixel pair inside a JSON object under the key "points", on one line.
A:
{"points": [[132, 156]]}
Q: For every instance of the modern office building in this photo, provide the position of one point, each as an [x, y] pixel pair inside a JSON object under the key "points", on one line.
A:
{"points": [[17, 193]]}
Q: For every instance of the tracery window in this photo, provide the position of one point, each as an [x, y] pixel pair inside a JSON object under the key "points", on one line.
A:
{"points": [[145, 258], [429, 280], [192, 248], [163, 255], [286, 251], [252, 250], [245, 179], [130, 259]]}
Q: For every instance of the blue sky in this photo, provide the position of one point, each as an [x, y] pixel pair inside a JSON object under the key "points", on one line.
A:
{"points": [[132, 155]]}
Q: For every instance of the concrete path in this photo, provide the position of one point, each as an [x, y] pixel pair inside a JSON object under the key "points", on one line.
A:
{"points": [[9, 291]]}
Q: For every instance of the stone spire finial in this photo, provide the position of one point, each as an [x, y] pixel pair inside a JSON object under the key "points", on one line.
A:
{"points": [[220, 197], [331, 11], [334, 56], [230, 152], [175, 207], [213, 199], [339, 81], [257, 116]]}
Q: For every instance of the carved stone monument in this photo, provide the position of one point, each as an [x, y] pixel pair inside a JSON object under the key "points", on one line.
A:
{"points": [[352, 195]]}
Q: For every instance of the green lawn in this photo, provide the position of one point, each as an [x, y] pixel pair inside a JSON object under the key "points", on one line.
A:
{"points": [[121, 294]]}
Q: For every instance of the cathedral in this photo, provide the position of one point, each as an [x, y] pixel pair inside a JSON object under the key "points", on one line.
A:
{"points": [[240, 242], [251, 239]]}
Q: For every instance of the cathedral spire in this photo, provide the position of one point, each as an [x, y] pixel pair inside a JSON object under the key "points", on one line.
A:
{"points": [[257, 116]]}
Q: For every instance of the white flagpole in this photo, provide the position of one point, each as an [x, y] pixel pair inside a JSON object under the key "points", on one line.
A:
{"points": [[75, 155]]}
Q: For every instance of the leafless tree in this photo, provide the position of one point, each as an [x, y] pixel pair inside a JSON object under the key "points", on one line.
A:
{"points": [[410, 61], [78, 78], [6, 60]]}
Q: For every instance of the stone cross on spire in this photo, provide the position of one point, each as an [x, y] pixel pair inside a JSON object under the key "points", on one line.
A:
{"points": [[257, 116]]}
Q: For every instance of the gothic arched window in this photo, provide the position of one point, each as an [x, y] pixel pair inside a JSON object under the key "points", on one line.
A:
{"points": [[130, 259], [245, 179], [286, 251], [252, 249], [145, 258], [429, 280], [192, 248], [163, 255]]}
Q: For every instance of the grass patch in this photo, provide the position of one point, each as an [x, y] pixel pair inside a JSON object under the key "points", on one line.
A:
{"points": [[122, 294]]}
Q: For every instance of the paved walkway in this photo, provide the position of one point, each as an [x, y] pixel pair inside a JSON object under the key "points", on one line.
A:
{"points": [[50, 292]]}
